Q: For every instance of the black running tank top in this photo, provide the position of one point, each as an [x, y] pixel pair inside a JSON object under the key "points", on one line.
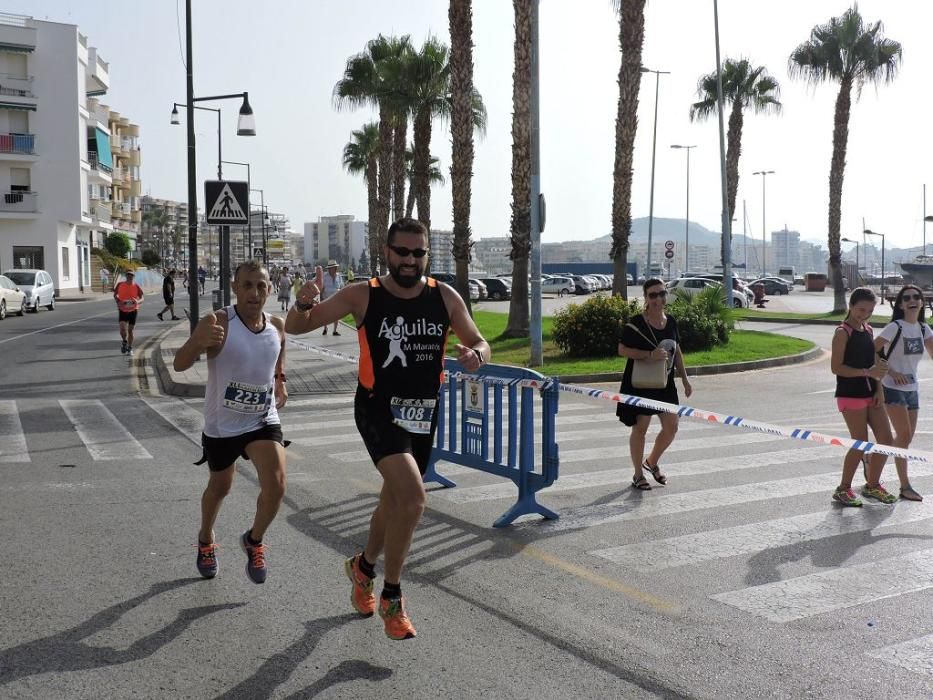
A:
{"points": [[402, 343]]}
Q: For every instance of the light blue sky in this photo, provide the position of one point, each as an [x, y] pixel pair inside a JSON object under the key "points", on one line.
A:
{"points": [[289, 53]]}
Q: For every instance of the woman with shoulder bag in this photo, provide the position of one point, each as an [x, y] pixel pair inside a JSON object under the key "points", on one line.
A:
{"points": [[650, 342]]}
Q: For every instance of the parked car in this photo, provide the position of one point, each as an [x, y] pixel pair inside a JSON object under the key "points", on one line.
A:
{"points": [[37, 285], [772, 285], [12, 298], [446, 277], [582, 285], [693, 285], [558, 285], [498, 287], [477, 290], [737, 285]]}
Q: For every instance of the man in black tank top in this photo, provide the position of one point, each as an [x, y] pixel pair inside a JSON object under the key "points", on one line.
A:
{"points": [[403, 320]]}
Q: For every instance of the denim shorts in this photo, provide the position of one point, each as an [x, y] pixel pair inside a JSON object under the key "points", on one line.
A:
{"points": [[896, 397]]}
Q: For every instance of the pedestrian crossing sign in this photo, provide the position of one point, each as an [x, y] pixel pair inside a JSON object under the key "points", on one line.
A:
{"points": [[227, 201]]}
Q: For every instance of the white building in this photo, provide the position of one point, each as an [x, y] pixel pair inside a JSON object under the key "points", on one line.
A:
{"points": [[785, 250], [341, 238], [46, 219]]}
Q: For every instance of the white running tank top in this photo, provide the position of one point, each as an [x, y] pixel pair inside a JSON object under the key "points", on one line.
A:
{"points": [[240, 393]]}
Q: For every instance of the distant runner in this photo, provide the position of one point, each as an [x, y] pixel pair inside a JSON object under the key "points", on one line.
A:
{"points": [[128, 296]]}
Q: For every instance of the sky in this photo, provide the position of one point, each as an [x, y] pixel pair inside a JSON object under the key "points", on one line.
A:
{"points": [[288, 54]]}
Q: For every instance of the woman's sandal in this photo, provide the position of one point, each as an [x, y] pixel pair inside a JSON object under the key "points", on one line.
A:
{"points": [[908, 494], [640, 483], [655, 472]]}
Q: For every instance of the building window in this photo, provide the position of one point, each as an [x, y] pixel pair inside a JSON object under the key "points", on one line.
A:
{"points": [[66, 264]]}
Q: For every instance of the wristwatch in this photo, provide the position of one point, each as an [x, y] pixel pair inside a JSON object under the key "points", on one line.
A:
{"points": [[303, 307]]}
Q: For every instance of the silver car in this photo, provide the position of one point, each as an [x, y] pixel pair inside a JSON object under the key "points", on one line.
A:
{"points": [[38, 287]]}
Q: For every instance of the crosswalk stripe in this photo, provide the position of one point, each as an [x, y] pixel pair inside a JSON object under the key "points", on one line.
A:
{"points": [[915, 655], [320, 440], [757, 537], [610, 477], [341, 400], [826, 591], [13, 446], [723, 496], [570, 456], [101, 432], [186, 419]]}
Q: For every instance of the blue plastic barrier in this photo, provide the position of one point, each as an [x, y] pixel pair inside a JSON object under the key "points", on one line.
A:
{"points": [[466, 417]]}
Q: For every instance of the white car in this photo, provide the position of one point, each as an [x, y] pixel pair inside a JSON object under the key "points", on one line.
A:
{"points": [[11, 298], [38, 287], [693, 285], [558, 286]]}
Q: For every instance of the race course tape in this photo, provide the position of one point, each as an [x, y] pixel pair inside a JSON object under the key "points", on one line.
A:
{"points": [[680, 410]]}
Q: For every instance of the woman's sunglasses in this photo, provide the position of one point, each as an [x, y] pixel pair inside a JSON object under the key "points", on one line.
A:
{"points": [[655, 295], [911, 297], [404, 252]]}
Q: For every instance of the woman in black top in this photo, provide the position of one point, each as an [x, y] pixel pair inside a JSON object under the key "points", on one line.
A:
{"points": [[653, 337]]}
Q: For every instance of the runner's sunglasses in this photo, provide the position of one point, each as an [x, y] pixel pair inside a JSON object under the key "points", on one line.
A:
{"points": [[404, 252]]}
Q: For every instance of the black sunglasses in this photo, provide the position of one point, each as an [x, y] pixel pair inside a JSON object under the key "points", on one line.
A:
{"points": [[655, 295], [404, 252], [911, 297]]}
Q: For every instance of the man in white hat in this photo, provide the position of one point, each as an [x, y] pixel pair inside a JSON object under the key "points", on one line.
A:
{"points": [[333, 281]]}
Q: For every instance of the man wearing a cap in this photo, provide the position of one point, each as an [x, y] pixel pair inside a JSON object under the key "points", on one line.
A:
{"points": [[332, 282], [128, 296]]}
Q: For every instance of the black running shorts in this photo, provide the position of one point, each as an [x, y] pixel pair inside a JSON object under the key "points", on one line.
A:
{"points": [[128, 316], [220, 453], [382, 437]]}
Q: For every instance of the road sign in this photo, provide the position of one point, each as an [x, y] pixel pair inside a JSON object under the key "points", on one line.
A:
{"points": [[669, 245], [257, 253], [227, 201], [668, 254]]}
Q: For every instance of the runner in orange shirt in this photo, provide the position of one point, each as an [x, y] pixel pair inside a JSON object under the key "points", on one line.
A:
{"points": [[128, 296]]}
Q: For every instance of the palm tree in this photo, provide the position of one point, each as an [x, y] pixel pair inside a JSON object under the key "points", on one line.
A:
{"points": [[156, 218], [743, 85], [375, 78], [847, 50], [517, 326], [361, 157], [460, 19], [435, 177], [631, 40]]}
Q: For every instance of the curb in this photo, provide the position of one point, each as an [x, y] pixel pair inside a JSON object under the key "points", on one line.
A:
{"points": [[728, 368], [167, 382]]}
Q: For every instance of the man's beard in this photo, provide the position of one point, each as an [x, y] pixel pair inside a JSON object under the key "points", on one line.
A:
{"points": [[404, 280]]}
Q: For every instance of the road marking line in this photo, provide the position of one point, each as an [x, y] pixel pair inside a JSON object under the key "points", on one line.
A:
{"points": [[569, 456], [826, 591], [757, 537], [13, 446], [186, 419], [104, 436], [720, 497], [915, 655]]}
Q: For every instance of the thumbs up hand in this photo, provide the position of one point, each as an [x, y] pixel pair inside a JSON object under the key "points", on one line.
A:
{"points": [[209, 333], [311, 290], [467, 357]]}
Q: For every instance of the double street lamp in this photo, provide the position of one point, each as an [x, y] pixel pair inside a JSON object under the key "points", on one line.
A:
{"points": [[687, 216], [654, 141], [764, 245], [869, 232]]}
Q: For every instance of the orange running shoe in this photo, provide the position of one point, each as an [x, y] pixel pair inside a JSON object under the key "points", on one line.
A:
{"points": [[361, 596], [398, 626]]}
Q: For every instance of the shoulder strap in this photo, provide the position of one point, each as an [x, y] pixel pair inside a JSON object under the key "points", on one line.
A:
{"points": [[636, 329], [886, 353]]}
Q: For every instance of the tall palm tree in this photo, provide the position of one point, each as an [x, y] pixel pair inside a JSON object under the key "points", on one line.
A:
{"points": [[435, 177], [631, 40], [361, 157], [375, 78], [845, 50], [460, 19], [743, 85], [517, 325]]}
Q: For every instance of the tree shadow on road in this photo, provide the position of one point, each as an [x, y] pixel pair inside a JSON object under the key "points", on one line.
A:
{"points": [[279, 667], [65, 652]]}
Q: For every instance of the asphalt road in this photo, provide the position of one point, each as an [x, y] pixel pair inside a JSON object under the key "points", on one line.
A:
{"points": [[739, 579]]}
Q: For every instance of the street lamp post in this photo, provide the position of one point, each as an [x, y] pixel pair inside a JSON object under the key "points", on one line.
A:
{"points": [[249, 219], [687, 215], [246, 126], [764, 174], [875, 233], [849, 240], [654, 141]]}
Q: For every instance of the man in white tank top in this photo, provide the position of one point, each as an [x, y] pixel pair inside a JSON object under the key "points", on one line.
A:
{"points": [[245, 387]]}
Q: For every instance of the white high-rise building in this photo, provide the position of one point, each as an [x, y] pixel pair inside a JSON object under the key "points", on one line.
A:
{"points": [[341, 238], [785, 250], [46, 180]]}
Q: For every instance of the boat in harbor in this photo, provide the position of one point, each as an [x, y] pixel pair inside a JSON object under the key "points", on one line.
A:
{"points": [[920, 271]]}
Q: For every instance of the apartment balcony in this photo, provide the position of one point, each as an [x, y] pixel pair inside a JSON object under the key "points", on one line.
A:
{"points": [[100, 172], [101, 212], [134, 157], [136, 188], [19, 144], [15, 35], [98, 73], [16, 86], [136, 216], [18, 202]]}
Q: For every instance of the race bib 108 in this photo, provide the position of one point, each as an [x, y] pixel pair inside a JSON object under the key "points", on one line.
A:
{"points": [[413, 415]]}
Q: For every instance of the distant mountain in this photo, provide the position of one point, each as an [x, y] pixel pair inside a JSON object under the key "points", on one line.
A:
{"points": [[673, 230]]}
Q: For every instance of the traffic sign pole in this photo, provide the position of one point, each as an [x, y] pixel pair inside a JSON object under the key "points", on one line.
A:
{"points": [[227, 203]]}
